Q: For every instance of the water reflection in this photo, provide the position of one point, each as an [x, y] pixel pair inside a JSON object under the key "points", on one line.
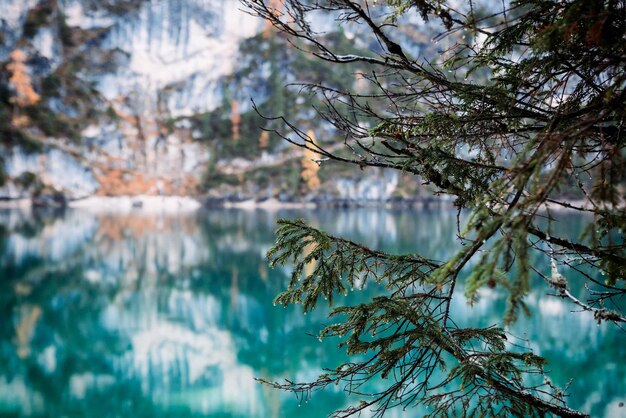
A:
{"points": [[161, 315]]}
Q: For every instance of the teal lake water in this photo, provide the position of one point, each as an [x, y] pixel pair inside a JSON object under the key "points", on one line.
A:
{"points": [[157, 315]]}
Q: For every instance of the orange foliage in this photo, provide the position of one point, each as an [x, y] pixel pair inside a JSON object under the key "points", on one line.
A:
{"points": [[264, 139], [116, 182], [235, 119], [20, 80], [310, 167], [275, 6], [25, 95]]}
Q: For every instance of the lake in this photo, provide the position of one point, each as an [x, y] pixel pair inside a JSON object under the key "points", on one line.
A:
{"points": [[152, 315]]}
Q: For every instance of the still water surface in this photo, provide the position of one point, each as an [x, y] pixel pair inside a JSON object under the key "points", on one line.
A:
{"points": [[151, 315]]}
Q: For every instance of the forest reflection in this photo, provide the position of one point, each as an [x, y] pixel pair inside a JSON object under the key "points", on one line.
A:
{"points": [[171, 314]]}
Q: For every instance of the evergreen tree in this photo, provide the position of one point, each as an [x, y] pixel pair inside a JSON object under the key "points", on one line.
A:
{"points": [[521, 113]]}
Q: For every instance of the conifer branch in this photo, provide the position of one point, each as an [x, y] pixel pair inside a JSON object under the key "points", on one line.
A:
{"points": [[526, 117]]}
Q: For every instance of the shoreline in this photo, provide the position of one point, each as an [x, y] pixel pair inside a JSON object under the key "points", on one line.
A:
{"points": [[169, 204], [116, 204], [186, 204]]}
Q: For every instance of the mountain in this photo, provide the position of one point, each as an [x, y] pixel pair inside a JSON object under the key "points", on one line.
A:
{"points": [[133, 97]]}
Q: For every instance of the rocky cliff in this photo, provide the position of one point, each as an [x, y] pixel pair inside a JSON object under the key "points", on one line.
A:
{"points": [[129, 97]]}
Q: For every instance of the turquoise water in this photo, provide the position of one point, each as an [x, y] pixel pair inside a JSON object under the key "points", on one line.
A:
{"points": [[139, 315]]}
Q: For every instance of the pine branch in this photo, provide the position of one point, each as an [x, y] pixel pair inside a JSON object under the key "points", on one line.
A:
{"points": [[406, 334]]}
